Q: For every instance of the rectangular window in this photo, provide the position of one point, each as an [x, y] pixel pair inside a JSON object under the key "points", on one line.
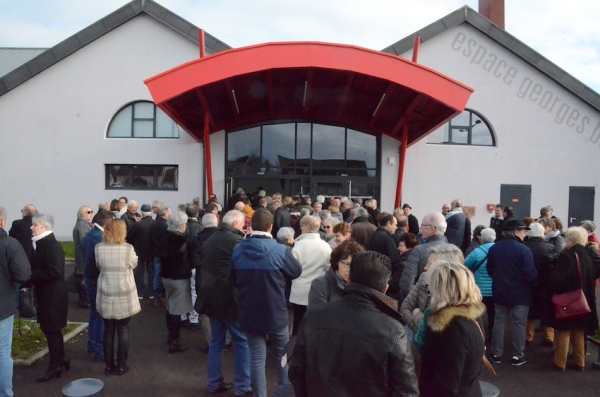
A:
{"points": [[142, 177]]}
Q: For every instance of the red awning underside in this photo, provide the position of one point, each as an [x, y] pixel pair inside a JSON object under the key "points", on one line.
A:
{"points": [[337, 84]]}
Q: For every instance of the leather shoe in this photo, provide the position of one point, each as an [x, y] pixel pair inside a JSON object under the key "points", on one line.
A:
{"points": [[176, 347], [224, 387], [557, 368], [578, 368], [50, 373], [123, 370]]}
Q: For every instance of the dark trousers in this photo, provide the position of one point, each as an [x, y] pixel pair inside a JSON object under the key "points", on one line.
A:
{"points": [[56, 348], [121, 328], [299, 312], [138, 274], [173, 326], [490, 309]]}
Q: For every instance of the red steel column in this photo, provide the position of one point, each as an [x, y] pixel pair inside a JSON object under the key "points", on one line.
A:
{"points": [[209, 180], [401, 165], [416, 44], [201, 40]]}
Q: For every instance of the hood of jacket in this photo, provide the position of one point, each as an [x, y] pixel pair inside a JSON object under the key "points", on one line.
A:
{"points": [[257, 247], [439, 320]]}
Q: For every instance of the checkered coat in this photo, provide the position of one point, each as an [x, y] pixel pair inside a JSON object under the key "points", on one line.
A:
{"points": [[117, 294]]}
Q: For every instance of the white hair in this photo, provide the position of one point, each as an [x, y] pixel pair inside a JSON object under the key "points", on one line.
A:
{"points": [[44, 220], [437, 220], [131, 203], [2, 214], [488, 235], [285, 233], [176, 221], [209, 220], [536, 230], [320, 199], [331, 221], [233, 216]]}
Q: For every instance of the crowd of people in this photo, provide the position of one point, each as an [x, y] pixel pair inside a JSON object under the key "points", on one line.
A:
{"points": [[372, 302]]}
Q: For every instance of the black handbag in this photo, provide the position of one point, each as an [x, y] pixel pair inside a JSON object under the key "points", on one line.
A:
{"points": [[26, 303]]}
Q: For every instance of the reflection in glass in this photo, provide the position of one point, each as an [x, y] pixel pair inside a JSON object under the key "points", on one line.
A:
{"points": [[118, 175], [168, 177], [278, 145], [361, 148], [143, 176], [243, 150], [328, 142], [303, 147], [468, 128]]}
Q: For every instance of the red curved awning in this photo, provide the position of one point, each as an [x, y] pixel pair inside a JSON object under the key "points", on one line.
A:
{"points": [[336, 84]]}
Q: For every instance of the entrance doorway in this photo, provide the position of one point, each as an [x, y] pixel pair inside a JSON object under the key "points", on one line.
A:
{"points": [[518, 197], [581, 204]]}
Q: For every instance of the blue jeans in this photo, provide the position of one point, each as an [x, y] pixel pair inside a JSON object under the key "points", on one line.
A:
{"points": [[96, 323], [258, 360], [157, 283], [6, 362], [519, 321], [241, 381], [138, 274]]}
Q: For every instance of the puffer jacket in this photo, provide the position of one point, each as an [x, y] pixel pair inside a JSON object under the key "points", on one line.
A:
{"points": [[482, 278], [364, 333], [544, 258], [417, 298], [556, 239]]}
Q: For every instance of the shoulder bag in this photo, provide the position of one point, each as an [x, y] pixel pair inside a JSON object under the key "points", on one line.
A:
{"points": [[26, 303], [485, 360], [571, 304]]}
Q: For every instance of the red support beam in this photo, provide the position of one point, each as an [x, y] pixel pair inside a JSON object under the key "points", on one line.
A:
{"points": [[209, 180], [401, 166], [416, 48], [202, 45]]}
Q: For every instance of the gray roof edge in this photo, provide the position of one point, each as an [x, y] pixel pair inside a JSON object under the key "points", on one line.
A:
{"points": [[110, 22], [466, 14]]}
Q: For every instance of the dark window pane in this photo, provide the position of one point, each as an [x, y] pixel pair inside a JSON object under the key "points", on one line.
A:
{"points": [[361, 149], [143, 176], [362, 189], [118, 176], [278, 145], [328, 143], [243, 151], [168, 177], [303, 145]]}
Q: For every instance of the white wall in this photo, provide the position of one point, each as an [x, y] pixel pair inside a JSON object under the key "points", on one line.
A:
{"points": [[535, 146], [54, 126]]}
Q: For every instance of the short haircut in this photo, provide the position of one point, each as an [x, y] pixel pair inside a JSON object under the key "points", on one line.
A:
{"points": [[123, 198], [369, 204], [196, 201], [240, 206], [317, 204], [210, 208], [192, 210], [103, 206], [547, 222], [509, 211], [358, 200], [477, 230], [320, 199], [2, 214], [451, 284], [343, 251], [104, 216], [447, 252], [371, 268], [131, 203], [285, 233], [360, 211], [500, 206], [386, 219], [536, 230], [83, 210], [157, 204], [209, 220], [324, 214], [163, 211], [304, 211], [402, 220], [182, 207], [276, 205], [528, 221], [262, 220], [333, 222], [544, 212], [233, 216], [29, 210], [311, 223], [437, 220], [343, 228], [176, 221], [263, 202], [44, 220], [576, 235], [410, 240], [455, 204], [589, 226], [488, 235], [115, 231]]}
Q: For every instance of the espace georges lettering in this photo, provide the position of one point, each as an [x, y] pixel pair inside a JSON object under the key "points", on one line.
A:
{"points": [[526, 88]]}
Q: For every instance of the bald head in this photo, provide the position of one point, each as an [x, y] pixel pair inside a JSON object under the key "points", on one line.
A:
{"points": [[240, 206], [29, 210]]}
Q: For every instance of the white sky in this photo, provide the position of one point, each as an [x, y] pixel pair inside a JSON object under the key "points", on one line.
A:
{"points": [[564, 32]]}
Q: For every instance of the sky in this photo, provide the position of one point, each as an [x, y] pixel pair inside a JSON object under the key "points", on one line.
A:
{"points": [[564, 32]]}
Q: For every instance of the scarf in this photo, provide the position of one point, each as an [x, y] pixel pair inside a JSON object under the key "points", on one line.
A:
{"points": [[40, 236], [421, 334]]}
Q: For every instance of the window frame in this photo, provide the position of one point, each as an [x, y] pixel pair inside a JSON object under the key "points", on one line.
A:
{"points": [[469, 129], [130, 178], [134, 119]]}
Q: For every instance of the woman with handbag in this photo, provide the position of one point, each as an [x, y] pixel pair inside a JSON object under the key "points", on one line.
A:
{"points": [[576, 269], [48, 278]]}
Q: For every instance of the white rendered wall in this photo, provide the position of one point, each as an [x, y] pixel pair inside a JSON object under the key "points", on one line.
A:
{"points": [[390, 148], [535, 146], [54, 126]]}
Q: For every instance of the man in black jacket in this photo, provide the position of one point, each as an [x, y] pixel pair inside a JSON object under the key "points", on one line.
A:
{"points": [[14, 268], [413, 222], [20, 229], [216, 299], [382, 240], [139, 237], [157, 231], [361, 332]]}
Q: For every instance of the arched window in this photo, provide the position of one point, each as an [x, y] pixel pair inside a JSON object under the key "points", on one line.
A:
{"points": [[142, 120], [468, 128]]}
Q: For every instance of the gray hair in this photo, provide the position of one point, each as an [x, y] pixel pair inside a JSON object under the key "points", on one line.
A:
{"points": [[437, 220], [324, 214], [163, 211], [320, 199], [182, 207], [447, 252], [304, 211], [285, 233], [488, 235], [589, 226], [262, 193], [318, 203], [131, 203], [104, 206], [209, 220], [311, 222], [240, 206], [331, 221], [536, 230], [176, 221], [455, 204], [361, 211], [234, 216], [276, 204], [2, 214], [158, 204], [44, 220], [196, 201]]}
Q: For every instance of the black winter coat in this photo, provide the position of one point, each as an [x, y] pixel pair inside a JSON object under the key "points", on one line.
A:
{"points": [[216, 298], [452, 353], [564, 278], [413, 224], [139, 237], [193, 228], [382, 241], [544, 258], [196, 246], [175, 256], [355, 346], [397, 270], [48, 278], [281, 218], [21, 230], [157, 231]]}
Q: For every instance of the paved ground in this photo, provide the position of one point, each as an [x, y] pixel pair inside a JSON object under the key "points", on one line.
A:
{"points": [[156, 373]]}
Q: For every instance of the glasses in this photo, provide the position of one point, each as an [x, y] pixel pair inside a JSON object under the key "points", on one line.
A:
{"points": [[90, 212]]}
